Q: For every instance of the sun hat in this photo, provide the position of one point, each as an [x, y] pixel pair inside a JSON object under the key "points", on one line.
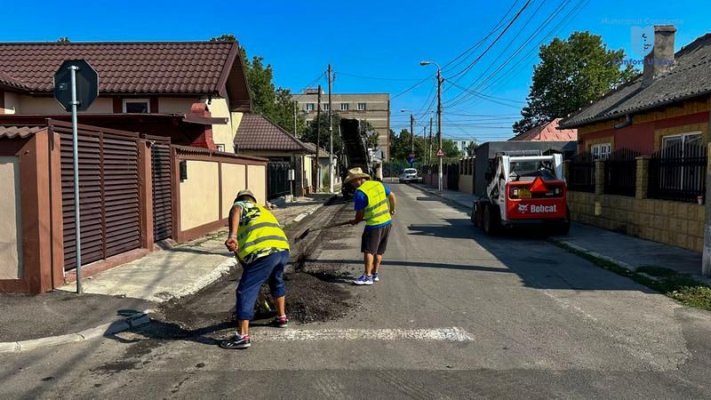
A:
{"points": [[246, 193], [355, 173]]}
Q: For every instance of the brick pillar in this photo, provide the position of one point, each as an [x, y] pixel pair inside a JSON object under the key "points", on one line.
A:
{"points": [[642, 179], [599, 177]]}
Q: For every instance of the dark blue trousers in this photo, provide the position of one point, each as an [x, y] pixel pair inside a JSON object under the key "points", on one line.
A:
{"points": [[269, 268]]}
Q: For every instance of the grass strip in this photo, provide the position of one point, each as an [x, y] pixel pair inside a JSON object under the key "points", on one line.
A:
{"points": [[680, 287]]}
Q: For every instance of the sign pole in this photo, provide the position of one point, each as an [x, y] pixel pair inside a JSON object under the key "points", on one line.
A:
{"points": [[75, 145]]}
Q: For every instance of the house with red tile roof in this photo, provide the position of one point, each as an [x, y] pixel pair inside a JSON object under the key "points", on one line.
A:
{"points": [[193, 92], [548, 132]]}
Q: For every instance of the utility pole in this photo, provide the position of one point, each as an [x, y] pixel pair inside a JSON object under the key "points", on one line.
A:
{"points": [[318, 138], [439, 121], [412, 133], [330, 132], [429, 149]]}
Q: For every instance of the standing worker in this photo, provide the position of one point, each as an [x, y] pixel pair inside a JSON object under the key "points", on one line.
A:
{"points": [[374, 203], [262, 248]]}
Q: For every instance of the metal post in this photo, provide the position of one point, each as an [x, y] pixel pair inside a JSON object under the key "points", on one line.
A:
{"points": [[412, 133], [429, 150], [439, 121], [75, 146], [318, 139], [330, 133]]}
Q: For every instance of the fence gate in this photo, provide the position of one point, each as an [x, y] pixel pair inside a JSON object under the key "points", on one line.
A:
{"points": [[108, 190], [581, 173], [162, 192], [277, 178]]}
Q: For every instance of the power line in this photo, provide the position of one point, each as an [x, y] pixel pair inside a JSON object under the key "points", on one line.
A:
{"points": [[476, 60], [378, 78], [477, 83]]}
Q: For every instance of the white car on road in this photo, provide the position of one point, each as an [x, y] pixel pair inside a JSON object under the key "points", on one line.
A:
{"points": [[409, 175]]}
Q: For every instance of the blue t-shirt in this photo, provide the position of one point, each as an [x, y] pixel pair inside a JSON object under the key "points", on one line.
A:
{"points": [[360, 202]]}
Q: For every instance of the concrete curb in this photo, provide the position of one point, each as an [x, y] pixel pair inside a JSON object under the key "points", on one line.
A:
{"points": [[593, 254], [111, 328], [203, 282]]}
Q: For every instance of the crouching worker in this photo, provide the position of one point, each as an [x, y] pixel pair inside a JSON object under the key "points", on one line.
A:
{"points": [[262, 248]]}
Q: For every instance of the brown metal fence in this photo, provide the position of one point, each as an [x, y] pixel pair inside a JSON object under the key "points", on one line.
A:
{"points": [[109, 194]]}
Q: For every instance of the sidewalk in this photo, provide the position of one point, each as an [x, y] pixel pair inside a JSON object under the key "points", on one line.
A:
{"points": [[119, 298], [626, 251]]}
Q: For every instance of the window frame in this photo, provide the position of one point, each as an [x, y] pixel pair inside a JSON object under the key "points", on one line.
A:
{"points": [[598, 154], [125, 101], [345, 107], [364, 108], [310, 107]]}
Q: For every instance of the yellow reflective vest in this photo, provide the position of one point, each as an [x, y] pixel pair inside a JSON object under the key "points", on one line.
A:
{"points": [[378, 210], [260, 232]]}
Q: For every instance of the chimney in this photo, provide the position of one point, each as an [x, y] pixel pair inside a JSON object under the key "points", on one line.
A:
{"points": [[660, 60]]}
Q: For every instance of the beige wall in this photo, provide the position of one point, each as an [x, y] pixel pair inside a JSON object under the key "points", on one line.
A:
{"points": [[10, 223], [224, 134], [12, 103], [674, 223], [200, 195], [175, 105], [48, 105], [257, 182], [233, 180]]}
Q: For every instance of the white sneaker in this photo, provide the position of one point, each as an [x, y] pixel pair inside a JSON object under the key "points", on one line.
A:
{"points": [[364, 280]]}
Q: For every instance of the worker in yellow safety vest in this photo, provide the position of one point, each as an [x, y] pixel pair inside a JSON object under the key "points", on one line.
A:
{"points": [[374, 203], [262, 249]]}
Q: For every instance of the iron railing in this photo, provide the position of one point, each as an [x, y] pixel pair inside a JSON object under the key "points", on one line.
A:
{"points": [[581, 173], [621, 172], [678, 173], [278, 178]]}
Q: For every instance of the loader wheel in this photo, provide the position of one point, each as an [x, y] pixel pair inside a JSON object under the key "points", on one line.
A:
{"points": [[490, 222], [563, 227]]}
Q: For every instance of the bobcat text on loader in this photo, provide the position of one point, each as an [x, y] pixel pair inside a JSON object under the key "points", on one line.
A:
{"points": [[524, 188]]}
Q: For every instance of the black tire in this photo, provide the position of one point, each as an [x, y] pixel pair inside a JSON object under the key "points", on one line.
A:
{"points": [[490, 220], [563, 227]]}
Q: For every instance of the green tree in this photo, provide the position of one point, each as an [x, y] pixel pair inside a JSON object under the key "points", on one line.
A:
{"points": [[225, 37], [273, 102], [471, 148], [572, 73], [311, 132], [450, 149]]}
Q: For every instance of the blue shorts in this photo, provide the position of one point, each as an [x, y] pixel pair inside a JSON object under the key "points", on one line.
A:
{"points": [[269, 268]]}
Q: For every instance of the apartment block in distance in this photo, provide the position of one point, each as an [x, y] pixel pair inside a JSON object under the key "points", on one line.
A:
{"points": [[371, 107]]}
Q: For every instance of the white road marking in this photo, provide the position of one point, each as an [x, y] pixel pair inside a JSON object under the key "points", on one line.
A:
{"points": [[453, 334]]}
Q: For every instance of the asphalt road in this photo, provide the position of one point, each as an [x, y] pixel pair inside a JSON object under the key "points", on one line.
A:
{"points": [[456, 315]]}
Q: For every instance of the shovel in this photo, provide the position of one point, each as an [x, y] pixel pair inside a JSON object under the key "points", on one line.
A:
{"points": [[306, 232]]}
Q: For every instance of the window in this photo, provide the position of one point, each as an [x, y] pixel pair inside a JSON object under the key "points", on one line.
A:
{"points": [[601, 151], [310, 107], [325, 106], [344, 106], [220, 147], [136, 106], [679, 171], [361, 107]]}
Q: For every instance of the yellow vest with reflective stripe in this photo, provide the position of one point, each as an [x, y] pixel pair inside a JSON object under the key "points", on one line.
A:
{"points": [[378, 210], [261, 232]]}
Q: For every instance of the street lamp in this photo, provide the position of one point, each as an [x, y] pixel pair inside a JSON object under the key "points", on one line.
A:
{"points": [[439, 115]]}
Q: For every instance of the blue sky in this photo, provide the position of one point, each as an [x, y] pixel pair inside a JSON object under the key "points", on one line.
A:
{"points": [[376, 46]]}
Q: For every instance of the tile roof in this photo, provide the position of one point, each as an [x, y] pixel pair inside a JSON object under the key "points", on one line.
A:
{"points": [[690, 77], [10, 82], [312, 148], [257, 133], [548, 132], [125, 67], [19, 132]]}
